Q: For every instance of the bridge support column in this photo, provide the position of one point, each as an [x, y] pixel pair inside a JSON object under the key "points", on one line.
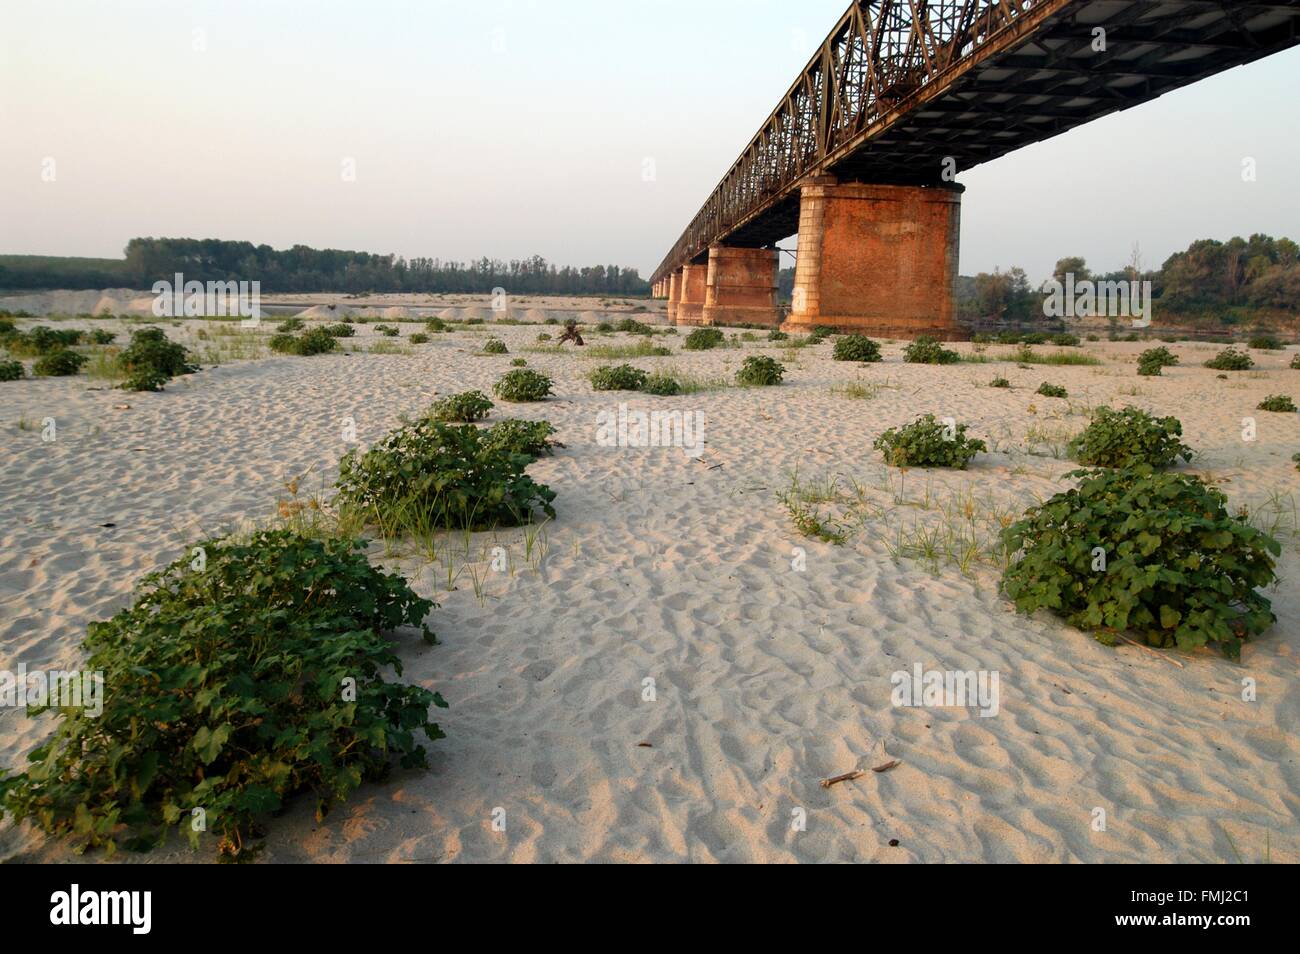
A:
{"points": [[877, 259], [740, 286], [674, 294], [690, 306]]}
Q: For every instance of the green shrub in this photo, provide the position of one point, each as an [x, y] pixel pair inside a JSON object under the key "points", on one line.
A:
{"points": [[1266, 343], [230, 688], [928, 443], [925, 350], [758, 370], [662, 385], [519, 363], [1280, 403], [290, 324], [340, 330], [433, 475], [150, 349], [776, 334], [1130, 438], [58, 364], [1295, 363], [1152, 553], [388, 331], [530, 438], [999, 382], [1035, 338], [543, 337], [11, 370], [7, 327], [495, 346], [522, 385], [820, 333], [1230, 359], [604, 328], [1052, 390], [435, 325], [856, 348], [624, 377], [1065, 340], [1153, 359], [101, 337], [313, 342], [464, 408], [633, 327], [418, 338], [703, 339]]}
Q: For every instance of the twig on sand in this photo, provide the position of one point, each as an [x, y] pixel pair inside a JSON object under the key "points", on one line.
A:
{"points": [[1165, 656], [846, 777], [892, 763]]}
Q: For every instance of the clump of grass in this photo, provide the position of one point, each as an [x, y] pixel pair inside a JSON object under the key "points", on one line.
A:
{"points": [[1052, 390], [641, 349], [999, 382], [495, 346], [1027, 355]]}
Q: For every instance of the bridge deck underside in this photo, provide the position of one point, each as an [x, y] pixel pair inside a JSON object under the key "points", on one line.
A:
{"points": [[1038, 87]]}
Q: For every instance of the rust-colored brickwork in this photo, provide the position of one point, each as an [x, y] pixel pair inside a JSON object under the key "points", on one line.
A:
{"points": [[740, 286]]}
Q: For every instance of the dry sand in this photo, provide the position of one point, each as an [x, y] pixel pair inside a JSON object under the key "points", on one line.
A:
{"points": [[767, 678]]}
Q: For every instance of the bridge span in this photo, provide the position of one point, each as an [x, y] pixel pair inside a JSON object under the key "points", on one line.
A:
{"points": [[860, 157]]}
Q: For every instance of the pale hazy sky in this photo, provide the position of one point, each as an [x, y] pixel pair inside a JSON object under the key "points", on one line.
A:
{"points": [[506, 129]]}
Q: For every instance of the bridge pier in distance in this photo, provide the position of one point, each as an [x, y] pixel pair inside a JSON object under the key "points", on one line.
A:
{"points": [[740, 286], [674, 282], [690, 304], [877, 259]]}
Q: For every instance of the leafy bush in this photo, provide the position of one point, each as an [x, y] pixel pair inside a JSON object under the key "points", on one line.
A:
{"points": [[437, 475], [464, 408], [435, 325], [1230, 359], [1295, 363], [662, 385], [150, 348], [232, 687], [820, 333], [6, 327], [1153, 359], [516, 363], [1052, 390], [495, 346], [522, 385], [928, 443], [340, 330], [11, 370], [703, 339], [925, 350], [999, 382], [388, 331], [57, 364], [633, 327], [1266, 343], [1153, 553], [313, 342], [530, 438], [1130, 438], [776, 334], [856, 348], [543, 336], [1065, 340], [1280, 403], [101, 337], [624, 377], [758, 370], [418, 338], [290, 324]]}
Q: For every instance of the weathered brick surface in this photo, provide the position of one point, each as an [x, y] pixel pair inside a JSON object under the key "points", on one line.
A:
{"points": [[740, 286], [877, 259], [690, 306], [674, 294]]}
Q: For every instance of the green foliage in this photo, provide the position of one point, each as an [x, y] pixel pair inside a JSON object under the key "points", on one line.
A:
{"points": [[624, 377], [776, 334], [418, 338], [1152, 553], [703, 339], [464, 408], [101, 337], [927, 442], [439, 475], [341, 330], [856, 348], [40, 340], [1280, 403], [662, 385], [230, 688], [926, 350], [151, 360], [1295, 363], [1153, 359], [1130, 438], [58, 364], [11, 371], [523, 385], [530, 438], [1052, 390], [820, 333], [7, 327], [1230, 359], [516, 363], [633, 327], [1266, 343], [290, 324], [1065, 340], [313, 342], [543, 336], [999, 382], [495, 346], [758, 370], [435, 325], [388, 331]]}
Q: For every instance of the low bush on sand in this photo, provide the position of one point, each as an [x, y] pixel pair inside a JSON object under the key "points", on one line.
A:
{"points": [[927, 442], [1230, 359], [1130, 438], [58, 364], [856, 348], [759, 371], [622, 377], [523, 385], [1279, 403], [926, 350], [1052, 390], [495, 346], [1149, 553], [703, 339], [1153, 359], [151, 360], [530, 438], [313, 342], [464, 408], [11, 370]]}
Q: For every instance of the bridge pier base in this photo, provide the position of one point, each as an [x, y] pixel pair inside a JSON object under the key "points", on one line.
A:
{"points": [[740, 287], [877, 259], [690, 306], [674, 294]]}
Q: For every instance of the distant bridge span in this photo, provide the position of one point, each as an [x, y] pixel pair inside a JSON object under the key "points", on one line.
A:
{"points": [[860, 155]]}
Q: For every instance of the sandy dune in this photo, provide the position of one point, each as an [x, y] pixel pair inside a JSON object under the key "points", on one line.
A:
{"points": [[766, 678]]}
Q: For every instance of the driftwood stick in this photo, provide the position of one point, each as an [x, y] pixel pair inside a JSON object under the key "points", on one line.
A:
{"points": [[846, 777]]}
